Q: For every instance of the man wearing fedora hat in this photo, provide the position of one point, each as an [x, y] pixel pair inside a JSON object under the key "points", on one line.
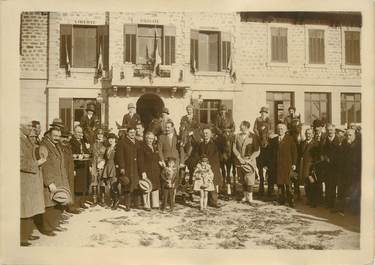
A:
{"points": [[131, 118], [262, 129], [54, 177], [89, 123]]}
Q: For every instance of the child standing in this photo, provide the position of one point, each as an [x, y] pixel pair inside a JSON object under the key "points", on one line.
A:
{"points": [[203, 181], [169, 176]]}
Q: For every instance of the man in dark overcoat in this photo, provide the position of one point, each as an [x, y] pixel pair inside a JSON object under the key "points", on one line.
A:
{"points": [[126, 155], [284, 159], [89, 123], [81, 167], [31, 183], [331, 152], [307, 157], [209, 148], [351, 172], [131, 119], [54, 177], [262, 129]]}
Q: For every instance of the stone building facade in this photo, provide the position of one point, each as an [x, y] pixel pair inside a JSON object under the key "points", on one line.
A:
{"points": [[242, 60]]}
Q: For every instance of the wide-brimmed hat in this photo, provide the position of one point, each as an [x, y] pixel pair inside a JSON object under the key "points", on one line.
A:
{"points": [[145, 185], [165, 110], [90, 107], [61, 196], [131, 106], [57, 122], [263, 109]]}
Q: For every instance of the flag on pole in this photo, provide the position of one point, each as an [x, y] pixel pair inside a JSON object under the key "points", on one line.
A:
{"points": [[67, 58], [99, 70], [157, 58], [230, 68], [194, 66]]}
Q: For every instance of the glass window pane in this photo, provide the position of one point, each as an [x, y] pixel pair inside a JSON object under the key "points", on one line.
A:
{"points": [[357, 97], [315, 96], [203, 116]]}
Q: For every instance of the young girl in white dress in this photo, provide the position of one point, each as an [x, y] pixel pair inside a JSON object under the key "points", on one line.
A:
{"points": [[203, 181]]}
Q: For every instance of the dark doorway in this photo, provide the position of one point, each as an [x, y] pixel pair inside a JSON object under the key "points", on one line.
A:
{"points": [[149, 106]]}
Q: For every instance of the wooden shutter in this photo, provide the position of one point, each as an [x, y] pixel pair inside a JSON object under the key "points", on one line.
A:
{"points": [[170, 44], [225, 50], [65, 44], [279, 44], [103, 42], [316, 46], [130, 49], [194, 36], [65, 112], [352, 47]]}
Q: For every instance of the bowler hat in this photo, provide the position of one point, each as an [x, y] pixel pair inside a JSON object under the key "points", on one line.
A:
{"points": [[131, 105], [165, 110], [61, 195], [263, 109], [145, 185], [57, 122], [90, 107]]}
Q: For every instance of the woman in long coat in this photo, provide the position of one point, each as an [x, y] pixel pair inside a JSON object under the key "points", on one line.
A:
{"points": [[32, 199], [148, 165]]}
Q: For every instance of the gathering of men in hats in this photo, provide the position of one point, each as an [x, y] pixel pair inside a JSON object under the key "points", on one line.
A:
{"points": [[152, 167]]}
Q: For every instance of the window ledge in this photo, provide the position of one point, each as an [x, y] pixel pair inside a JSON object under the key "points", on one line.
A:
{"points": [[277, 64], [82, 70], [351, 67], [210, 73], [315, 65]]}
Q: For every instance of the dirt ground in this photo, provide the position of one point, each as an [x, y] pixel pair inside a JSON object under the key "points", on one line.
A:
{"points": [[233, 226]]}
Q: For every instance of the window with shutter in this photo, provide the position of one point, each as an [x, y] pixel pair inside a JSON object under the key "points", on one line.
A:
{"points": [[170, 45], [225, 50], [208, 51], [352, 48], [84, 46], [316, 46], [279, 44], [194, 60], [130, 35], [65, 45], [103, 44]]}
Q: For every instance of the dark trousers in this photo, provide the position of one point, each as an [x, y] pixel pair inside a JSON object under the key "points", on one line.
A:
{"points": [[168, 194], [132, 198], [312, 192], [212, 198], [261, 163], [331, 185], [286, 194], [51, 217], [26, 228]]}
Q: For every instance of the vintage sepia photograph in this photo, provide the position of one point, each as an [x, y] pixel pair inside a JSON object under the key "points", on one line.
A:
{"points": [[191, 130]]}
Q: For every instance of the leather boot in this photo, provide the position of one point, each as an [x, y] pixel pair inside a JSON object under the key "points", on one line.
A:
{"points": [[116, 202], [102, 196]]}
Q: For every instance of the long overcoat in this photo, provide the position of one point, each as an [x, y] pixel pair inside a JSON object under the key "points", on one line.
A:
{"points": [[127, 159], [53, 169], [32, 198], [82, 177], [69, 166], [283, 155], [148, 162], [211, 150], [307, 156]]}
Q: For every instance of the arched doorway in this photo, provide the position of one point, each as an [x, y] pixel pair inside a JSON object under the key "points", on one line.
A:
{"points": [[149, 106]]}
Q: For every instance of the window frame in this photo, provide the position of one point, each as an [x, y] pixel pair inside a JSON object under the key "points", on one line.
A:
{"points": [[345, 101], [96, 48], [329, 106], [269, 44], [307, 46], [343, 49]]}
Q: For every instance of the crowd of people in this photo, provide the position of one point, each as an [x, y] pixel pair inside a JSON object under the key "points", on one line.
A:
{"points": [[152, 168]]}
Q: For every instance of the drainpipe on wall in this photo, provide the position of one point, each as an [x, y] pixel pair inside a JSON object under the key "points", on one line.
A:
{"points": [[47, 81]]}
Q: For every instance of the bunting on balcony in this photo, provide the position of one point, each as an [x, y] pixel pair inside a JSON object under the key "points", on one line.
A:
{"points": [[157, 58], [230, 67], [99, 69], [194, 66], [67, 63]]}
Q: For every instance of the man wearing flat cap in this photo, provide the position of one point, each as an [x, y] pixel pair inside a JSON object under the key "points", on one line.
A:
{"points": [[262, 129], [224, 121], [89, 123], [131, 119]]}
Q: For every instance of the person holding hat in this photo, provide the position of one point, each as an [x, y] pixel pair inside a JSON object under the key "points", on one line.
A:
{"points": [[169, 179], [203, 180], [89, 123], [97, 165], [54, 178], [131, 119], [31, 184], [149, 168], [262, 129], [246, 149], [224, 121], [108, 178]]}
